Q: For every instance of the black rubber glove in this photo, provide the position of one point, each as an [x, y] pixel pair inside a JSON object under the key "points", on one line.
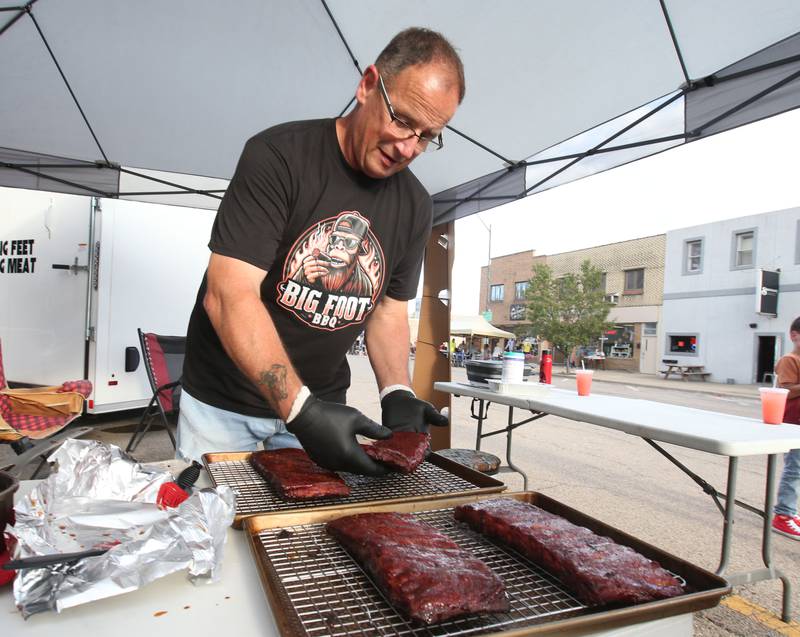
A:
{"points": [[402, 411], [328, 431]]}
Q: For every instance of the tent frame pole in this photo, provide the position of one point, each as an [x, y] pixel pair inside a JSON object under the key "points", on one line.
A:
{"points": [[66, 82], [672, 35], [593, 150], [430, 365], [66, 182], [750, 100], [22, 11]]}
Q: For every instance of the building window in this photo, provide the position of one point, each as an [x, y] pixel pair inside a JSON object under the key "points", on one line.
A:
{"points": [[650, 329], [618, 341], [496, 293], [520, 289], [683, 344], [693, 256], [603, 281], [744, 249], [634, 281]]}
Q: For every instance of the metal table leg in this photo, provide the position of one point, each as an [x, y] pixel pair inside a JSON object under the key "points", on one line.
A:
{"points": [[766, 538], [481, 415], [730, 510], [483, 412], [756, 575], [511, 465]]}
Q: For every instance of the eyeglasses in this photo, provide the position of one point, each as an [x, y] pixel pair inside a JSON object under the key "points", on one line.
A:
{"points": [[349, 243], [405, 130]]}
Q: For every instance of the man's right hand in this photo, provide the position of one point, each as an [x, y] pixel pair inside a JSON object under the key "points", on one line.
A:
{"points": [[328, 431]]}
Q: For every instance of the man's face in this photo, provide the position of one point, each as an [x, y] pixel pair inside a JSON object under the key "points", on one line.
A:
{"points": [[425, 96]]}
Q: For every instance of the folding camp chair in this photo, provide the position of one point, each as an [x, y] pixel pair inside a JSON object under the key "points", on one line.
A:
{"points": [[163, 362], [38, 413]]}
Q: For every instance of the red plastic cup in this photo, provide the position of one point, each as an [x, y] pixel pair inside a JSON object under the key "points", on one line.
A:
{"points": [[773, 404], [584, 379]]}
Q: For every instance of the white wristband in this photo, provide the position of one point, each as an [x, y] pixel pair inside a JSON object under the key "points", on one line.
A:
{"points": [[298, 403], [388, 390]]}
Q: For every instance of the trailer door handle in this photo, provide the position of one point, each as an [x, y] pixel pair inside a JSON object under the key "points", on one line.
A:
{"points": [[74, 268]]}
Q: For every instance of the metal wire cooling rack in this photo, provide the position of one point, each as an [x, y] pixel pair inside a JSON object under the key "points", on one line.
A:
{"points": [[331, 595], [254, 495]]}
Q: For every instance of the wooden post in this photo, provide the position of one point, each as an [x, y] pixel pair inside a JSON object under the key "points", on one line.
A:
{"points": [[430, 365]]}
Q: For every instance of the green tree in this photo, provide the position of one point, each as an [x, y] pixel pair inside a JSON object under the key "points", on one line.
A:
{"points": [[570, 310]]}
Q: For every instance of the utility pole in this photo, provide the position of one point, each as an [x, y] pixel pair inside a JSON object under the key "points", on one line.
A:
{"points": [[488, 263]]}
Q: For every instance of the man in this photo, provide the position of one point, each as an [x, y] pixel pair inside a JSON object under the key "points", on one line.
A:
{"points": [[320, 236]]}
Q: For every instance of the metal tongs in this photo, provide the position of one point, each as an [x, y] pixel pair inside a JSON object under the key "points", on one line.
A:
{"points": [[40, 561], [166, 497]]}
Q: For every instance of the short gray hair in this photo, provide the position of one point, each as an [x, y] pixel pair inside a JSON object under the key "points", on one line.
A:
{"points": [[417, 45]]}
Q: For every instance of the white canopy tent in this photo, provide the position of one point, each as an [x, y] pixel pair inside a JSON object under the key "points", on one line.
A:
{"points": [[154, 99], [476, 326], [128, 99]]}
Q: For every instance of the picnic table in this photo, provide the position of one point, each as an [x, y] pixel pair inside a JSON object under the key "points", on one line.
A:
{"points": [[685, 371], [595, 362]]}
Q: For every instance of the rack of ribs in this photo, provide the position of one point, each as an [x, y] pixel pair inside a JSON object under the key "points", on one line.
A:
{"points": [[596, 569], [422, 572], [294, 476], [404, 451]]}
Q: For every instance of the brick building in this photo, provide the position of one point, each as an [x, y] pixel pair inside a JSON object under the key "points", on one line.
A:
{"points": [[633, 273], [506, 296]]}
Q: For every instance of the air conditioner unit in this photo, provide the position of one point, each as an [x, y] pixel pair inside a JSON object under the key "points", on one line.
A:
{"points": [[612, 298]]}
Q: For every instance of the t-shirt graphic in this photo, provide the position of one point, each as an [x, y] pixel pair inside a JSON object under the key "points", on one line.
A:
{"points": [[333, 273]]}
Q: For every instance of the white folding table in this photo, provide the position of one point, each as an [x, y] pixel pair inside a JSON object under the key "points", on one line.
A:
{"points": [[712, 432]]}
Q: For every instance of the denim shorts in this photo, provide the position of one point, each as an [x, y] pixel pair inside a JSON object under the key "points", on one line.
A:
{"points": [[206, 429]]}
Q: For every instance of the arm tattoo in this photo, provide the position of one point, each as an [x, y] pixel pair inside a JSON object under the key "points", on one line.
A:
{"points": [[275, 380]]}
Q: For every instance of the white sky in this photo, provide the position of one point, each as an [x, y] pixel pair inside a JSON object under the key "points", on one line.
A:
{"points": [[744, 171]]}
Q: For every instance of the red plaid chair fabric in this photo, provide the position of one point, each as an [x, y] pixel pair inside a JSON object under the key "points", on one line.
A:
{"points": [[82, 387], [35, 413], [163, 362]]}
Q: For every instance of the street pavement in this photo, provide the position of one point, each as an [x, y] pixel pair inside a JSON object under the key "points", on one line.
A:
{"points": [[614, 477]]}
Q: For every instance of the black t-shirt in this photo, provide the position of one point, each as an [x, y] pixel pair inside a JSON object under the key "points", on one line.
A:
{"points": [[296, 209]]}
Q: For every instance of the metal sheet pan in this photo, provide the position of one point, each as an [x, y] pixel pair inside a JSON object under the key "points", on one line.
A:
{"points": [[437, 477], [316, 589]]}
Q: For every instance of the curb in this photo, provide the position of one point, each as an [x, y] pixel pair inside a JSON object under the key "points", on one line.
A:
{"points": [[699, 390]]}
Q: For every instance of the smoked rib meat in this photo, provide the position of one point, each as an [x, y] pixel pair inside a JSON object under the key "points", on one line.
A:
{"points": [[422, 572], [294, 476], [596, 569], [403, 452]]}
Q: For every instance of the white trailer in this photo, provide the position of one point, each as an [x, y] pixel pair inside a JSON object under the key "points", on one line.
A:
{"points": [[79, 275]]}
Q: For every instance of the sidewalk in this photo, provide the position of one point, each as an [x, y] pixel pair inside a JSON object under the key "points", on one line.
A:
{"points": [[657, 381]]}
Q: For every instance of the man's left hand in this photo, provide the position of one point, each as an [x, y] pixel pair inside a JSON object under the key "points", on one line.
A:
{"points": [[402, 411]]}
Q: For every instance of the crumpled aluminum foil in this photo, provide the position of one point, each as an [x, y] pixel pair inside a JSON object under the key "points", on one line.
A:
{"points": [[99, 497]]}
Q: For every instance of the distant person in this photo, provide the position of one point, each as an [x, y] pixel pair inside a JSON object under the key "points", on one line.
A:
{"points": [[786, 521]]}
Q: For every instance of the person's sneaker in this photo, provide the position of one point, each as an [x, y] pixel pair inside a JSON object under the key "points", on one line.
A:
{"points": [[787, 525]]}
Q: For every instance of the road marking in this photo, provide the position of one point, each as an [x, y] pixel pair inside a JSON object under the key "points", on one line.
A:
{"points": [[632, 388], [761, 615]]}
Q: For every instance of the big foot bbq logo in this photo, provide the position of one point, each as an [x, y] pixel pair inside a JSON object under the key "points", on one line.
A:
{"points": [[333, 273]]}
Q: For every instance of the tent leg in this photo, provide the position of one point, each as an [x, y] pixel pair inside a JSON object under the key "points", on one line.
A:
{"points": [[430, 365]]}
